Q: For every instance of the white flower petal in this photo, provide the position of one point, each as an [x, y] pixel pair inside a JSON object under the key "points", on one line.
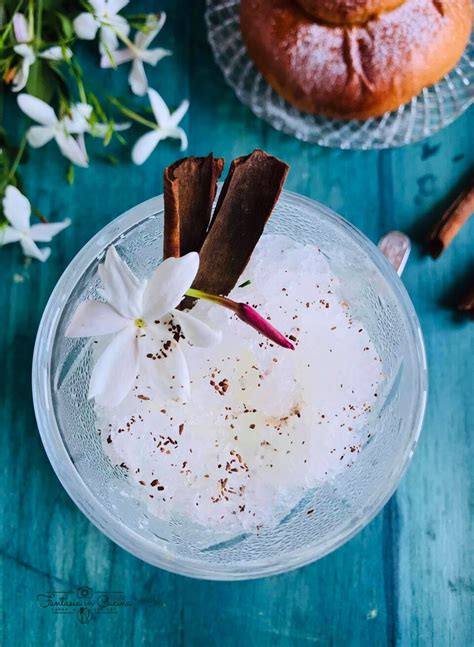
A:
{"points": [[82, 109], [154, 24], [119, 56], [78, 120], [159, 107], [21, 77], [44, 232], [37, 110], [124, 125], [105, 60], [153, 373], [137, 78], [114, 373], [82, 144], [85, 26], [178, 133], [120, 24], [38, 136], [100, 130], [93, 319], [153, 56], [167, 285], [108, 39], [56, 54], [122, 289], [99, 6], [195, 331], [31, 249], [114, 6], [21, 28], [169, 373], [9, 235], [17, 209], [178, 114], [70, 148], [26, 51], [145, 145]]}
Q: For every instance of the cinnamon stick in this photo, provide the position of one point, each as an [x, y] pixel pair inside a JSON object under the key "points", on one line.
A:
{"points": [[467, 303], [189, 191], [451, 222], [247, 199]]}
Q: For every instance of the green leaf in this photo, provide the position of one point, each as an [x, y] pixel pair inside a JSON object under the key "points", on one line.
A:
{"points": [[66, 25], [40, 81], [51, 5]]}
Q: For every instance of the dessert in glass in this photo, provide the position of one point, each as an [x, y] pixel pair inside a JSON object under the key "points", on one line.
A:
{"points": [[200, 443]]}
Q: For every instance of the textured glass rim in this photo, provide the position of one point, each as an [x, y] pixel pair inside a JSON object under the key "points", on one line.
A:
{"points": [[362, 127], [78, 490]]}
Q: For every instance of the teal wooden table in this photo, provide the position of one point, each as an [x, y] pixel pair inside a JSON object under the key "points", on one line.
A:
{"points": [[407, 578]]}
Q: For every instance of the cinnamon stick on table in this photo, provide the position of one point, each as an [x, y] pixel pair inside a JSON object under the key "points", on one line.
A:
{"points": [[467, 303], [451, 222], [189, 190], [247, 199]]}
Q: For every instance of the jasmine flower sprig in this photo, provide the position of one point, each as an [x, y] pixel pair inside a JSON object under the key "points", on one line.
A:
{"points": [[38, 62], [139, 53], [166, 125], [26, 51], [146, 332], [17, 211], [103, 17]]}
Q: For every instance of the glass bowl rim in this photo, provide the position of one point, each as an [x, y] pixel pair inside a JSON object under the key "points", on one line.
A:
{"points": [[79, 491]]}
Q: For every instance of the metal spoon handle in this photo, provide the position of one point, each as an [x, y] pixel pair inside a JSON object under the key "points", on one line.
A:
{"points": [[396, 247]]}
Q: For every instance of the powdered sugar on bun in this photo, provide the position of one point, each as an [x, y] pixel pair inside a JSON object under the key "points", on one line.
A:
{"points": [[354, 70]]}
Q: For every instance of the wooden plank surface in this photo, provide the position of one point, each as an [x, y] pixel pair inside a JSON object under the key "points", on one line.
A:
{"points": [[407, 578]]}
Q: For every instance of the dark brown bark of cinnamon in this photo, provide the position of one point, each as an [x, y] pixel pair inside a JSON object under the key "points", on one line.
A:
{"points": [[189, 191], [467, 303], [450, 224], [247, 199]]}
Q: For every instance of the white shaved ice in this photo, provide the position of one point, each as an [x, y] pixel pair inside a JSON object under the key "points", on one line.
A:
{"points": [[264, 424]]}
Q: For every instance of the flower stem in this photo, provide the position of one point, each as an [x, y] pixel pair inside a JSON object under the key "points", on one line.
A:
{"points": [[39, 215], [247, 314], [8, 27], [14, 166], [39, 22], [126, 41], [133, 115], [121, 36], [214, 298]]}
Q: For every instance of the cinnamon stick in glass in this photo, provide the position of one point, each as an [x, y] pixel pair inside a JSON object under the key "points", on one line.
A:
{"points": [[247, 199], [190, 186]]}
